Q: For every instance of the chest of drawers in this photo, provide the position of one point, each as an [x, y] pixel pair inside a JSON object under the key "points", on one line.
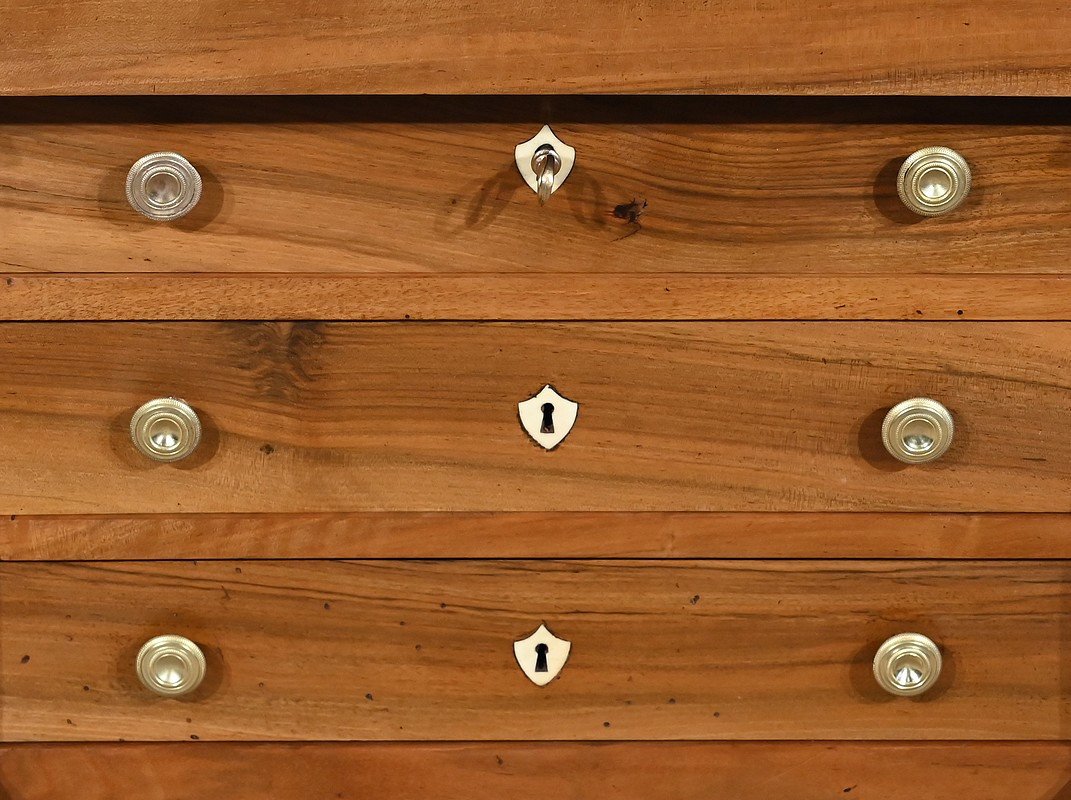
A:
{"points": [[736, 464]]}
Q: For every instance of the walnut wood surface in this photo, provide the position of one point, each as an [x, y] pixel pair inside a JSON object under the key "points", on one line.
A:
{"points": [[535, 535], [568, 296], [404, 650], [650, 771], [416, 417], [494, 46], [732, 416], [319, 188]]}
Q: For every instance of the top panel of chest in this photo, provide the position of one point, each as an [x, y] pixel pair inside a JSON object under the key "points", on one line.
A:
{"points": [[976, 47]]}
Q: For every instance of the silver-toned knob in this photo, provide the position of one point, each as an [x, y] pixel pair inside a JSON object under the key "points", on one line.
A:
{"points": [[917, 430], [934, 181], [907, 664], [165, 429], [170, 665], [163, 186]]}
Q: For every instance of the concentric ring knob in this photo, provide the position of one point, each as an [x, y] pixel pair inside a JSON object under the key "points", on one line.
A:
{"points": [[934, 180], [163, 186], [165, 429], [170, 665], [907, 664], [917, 430]]}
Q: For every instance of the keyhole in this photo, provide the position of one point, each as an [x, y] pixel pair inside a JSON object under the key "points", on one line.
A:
{"points": [[548, 418], [541, 658]]}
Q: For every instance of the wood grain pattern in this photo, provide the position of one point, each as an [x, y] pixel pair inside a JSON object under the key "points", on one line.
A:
{"points": [[567, 296], [649, 771], [316, 189], [397, 46], [339, 417], [534, 535], [403, 650]]}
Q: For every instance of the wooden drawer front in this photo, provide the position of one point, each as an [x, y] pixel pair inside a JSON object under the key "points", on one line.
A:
{"points": [[686, 416], [633, 771], [393, 46], [400, 650], [304, 187]]}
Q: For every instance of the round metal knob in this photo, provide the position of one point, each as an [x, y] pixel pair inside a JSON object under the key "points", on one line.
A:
{"points": [[917, 430], [907, 664], [170, 665], [934, 181], [163, 186], [165, 429]]}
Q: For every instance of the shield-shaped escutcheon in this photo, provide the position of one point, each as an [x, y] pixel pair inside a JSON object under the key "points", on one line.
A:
{"points": [[548, 417], [541, 655]]}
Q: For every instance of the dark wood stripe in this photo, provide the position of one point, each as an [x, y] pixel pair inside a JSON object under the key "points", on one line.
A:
{"points": [[650, 771]]}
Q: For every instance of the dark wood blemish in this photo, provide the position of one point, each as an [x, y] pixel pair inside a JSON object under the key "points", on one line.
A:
{"points": [[631, 211]]}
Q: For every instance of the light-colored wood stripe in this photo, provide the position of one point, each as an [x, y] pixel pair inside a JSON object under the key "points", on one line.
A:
{"points": [[974, 47], [423, 650], [569, 296], [532, 535], [634, 771]]}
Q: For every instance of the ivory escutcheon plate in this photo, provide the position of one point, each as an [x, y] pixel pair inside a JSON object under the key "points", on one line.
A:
{"points": [[548, 417], [541, 655]]}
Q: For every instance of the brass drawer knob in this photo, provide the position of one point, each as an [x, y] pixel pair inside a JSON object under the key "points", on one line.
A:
{"points": [[165, 429], [163, 186], [934, 181], [170, 665], [907, 664], [917, 430]]}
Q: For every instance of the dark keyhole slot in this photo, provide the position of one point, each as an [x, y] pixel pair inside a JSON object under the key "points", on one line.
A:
{"points": [[541, 658], [548, 418]]}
